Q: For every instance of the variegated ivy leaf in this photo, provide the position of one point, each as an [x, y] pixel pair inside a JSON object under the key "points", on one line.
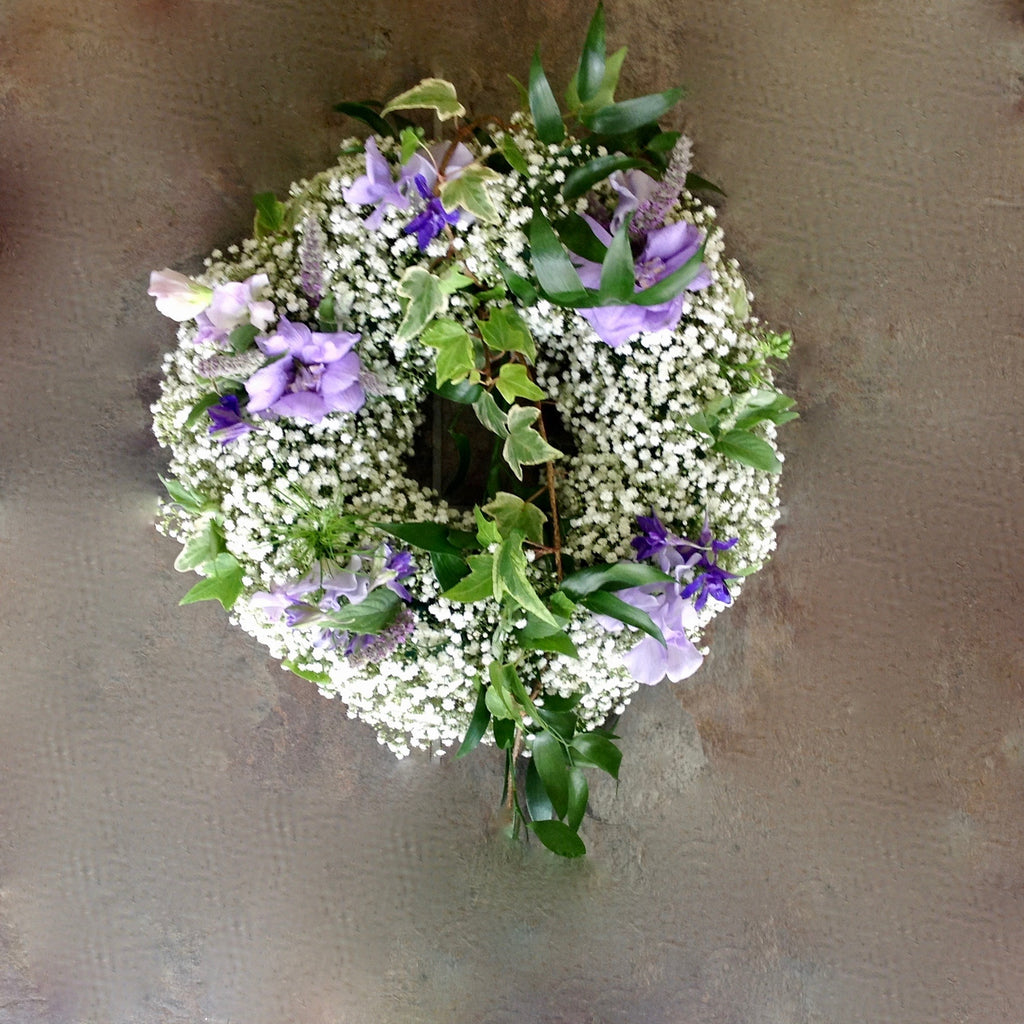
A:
{"points": [[514, 382], [524, 446], [505, 331], [510, 512], [431, 94], [469, 191], [426, 300], [455, 356]]}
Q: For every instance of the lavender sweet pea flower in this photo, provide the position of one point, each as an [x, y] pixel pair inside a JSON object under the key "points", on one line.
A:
{"points": [[178, 296], [378, 189], [227, 424], [316, 374], [237, 302], [665, 250]]}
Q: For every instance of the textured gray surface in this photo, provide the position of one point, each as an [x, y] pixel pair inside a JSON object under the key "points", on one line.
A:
{"points": [[189, 834]]}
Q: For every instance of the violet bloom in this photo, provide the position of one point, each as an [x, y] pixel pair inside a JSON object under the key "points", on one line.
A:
{"points": [[228, 424], [316, 374], [399, 566], [285, 599], [432, 220], [711, 580], [379, 189], [665, 250]]}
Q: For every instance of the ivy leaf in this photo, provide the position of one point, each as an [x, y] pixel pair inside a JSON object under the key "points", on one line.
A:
{"points": [[477, 724], [555, 273], [430, 94], [410, 141], [469, 191], [543, 106], [558, 838], [505, 331], [590, 73], [365, 113], [549, 757], [509, 577], [597, 750], [371, 615], [271, 215], [478, 585], [614, 576], [510, 512], [748, 449], [426, 300], [452, 280], [524, 446], [182, 495], [488, 413], [487, 532], [456, 359], [579, 793], [620, 118], [514, 382], [604, 602], [223, 582], [200, 548]]}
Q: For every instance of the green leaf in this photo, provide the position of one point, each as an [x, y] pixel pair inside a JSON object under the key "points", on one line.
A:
{"points": [[504, 733], [477, 724], [609, 83], [558, 838], [581, 180], [619, 118], [561, 722], [452, 280], [578, 237], [488, 413], [543, 106], [320, 678], [271, 215], [614, 576], [562, 605], [478, 585], [326, 315], [427, 536], [590, 73], [469, 191], [695, 183], [410, 141], [371, 615], [742, 446], [538, 803], [514, 382], [604, 602], [200, 548], [426, 300], [558, 703], [509, 577], [555, 643], [430, 94], [513, 154], [549, 757], [456, 359], [487, 532], [223, 582], [500, 705], [597, 750], [618, 274], [365, 113], [183, 495], [510, 512], [524, 446], [505, 331], [449, 569], [579, 793], [199, 409], [669, 287], [241, 339], [551, 264], [522, 289], [465, 392]]}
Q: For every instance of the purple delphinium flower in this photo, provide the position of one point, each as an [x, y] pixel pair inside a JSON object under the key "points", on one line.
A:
{"points": [[710, 579], [227, 424], [316, 374], [653, 537], [399, 566], [664, 251], [379, 189], [431, 220]]}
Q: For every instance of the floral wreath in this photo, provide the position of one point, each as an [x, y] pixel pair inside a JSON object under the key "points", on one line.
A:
{"points": [[554, 283]]}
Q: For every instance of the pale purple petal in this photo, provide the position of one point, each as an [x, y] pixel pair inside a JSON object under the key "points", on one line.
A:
{"points": [[268, 384], [177, 296], [307, 406]]}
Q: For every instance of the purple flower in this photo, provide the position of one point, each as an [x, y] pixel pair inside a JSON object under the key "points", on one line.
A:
{"points": [[379, 189], [227, 424], [316, 374], [653, 538], [711, 580], [400, 565], [665, 250], [432, 220], [178, 296]]}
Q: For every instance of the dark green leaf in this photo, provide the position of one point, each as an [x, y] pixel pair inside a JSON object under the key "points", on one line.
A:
{"points": [[242, 337], [199, 409], [477, 724], [579, 238], [549, 756], [464, 392], [695, 183], [618, 118], [614, 576], [556, 643], [428, 536], [558, 838], [514, 155], [581, 180], [462, 448], [543, 106], [538, 803], [223, 582], [749, 449], [663, 142], [579, 793], [326, 315], [504, 732], [448, 569], [618, 274], [590, 73], [555, 273], [478, 585], [597, 750], [369, 116], [371, 615], [522, 289], [604, 602], [562, 722], [556, 702], [669, 287]]}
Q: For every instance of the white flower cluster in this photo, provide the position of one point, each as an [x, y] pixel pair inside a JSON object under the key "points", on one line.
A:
{"points": [[629, 448]]}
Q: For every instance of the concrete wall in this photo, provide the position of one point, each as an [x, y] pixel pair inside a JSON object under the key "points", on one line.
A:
{"points": [[824, 825]]}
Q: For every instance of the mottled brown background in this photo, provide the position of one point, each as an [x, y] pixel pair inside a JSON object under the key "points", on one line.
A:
{"points": [[825, 825]]}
